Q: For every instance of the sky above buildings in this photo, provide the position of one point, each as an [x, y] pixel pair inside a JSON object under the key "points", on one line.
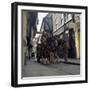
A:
{"points": [[41, 15]]}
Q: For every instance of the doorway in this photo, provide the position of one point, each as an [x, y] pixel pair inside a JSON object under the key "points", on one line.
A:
{"points": [[72, 48]]}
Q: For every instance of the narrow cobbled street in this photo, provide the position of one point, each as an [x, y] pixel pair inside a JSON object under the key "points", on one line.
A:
{"points": [[33, 68]]}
